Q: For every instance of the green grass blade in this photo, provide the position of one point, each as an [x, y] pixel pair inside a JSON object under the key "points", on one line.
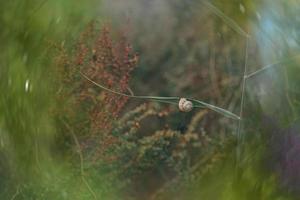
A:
{"points": [[170, 100]]}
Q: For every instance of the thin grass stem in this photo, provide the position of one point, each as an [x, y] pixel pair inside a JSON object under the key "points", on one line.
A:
{"points": [[169, 100], [225, 18], [239, 135]]}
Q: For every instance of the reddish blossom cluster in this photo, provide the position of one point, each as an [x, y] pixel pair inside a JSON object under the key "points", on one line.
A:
{"points": [[108, 64]]}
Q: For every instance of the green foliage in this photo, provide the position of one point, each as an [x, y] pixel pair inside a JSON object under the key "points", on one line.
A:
{"points": [[62, 137]]}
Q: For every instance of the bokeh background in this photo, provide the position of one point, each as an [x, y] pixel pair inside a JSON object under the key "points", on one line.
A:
{"points": [[62, 137]]}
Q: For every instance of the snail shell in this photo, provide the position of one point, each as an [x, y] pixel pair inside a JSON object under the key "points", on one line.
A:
{"points": [[185, 105]]}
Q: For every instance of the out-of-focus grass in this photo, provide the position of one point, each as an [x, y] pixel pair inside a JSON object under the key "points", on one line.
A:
{"points": [[31, 166]]}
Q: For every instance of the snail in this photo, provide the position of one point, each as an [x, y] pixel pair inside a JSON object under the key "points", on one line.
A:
{"points": [[185, 105]]}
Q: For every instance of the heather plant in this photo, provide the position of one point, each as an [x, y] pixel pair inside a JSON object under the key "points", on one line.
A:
{"points": [[95, 77]]}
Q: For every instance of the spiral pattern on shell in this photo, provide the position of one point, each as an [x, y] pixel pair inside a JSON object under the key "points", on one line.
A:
{"points": [[185, 105]]}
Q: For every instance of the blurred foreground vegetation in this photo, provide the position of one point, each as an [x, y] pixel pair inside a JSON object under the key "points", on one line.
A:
{"points": [[62, 137]]}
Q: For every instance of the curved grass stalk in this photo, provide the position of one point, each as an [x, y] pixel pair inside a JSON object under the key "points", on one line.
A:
{"points": [[170, 100], [82, 173], [272, 65], [226, 19], [222, 111]]}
